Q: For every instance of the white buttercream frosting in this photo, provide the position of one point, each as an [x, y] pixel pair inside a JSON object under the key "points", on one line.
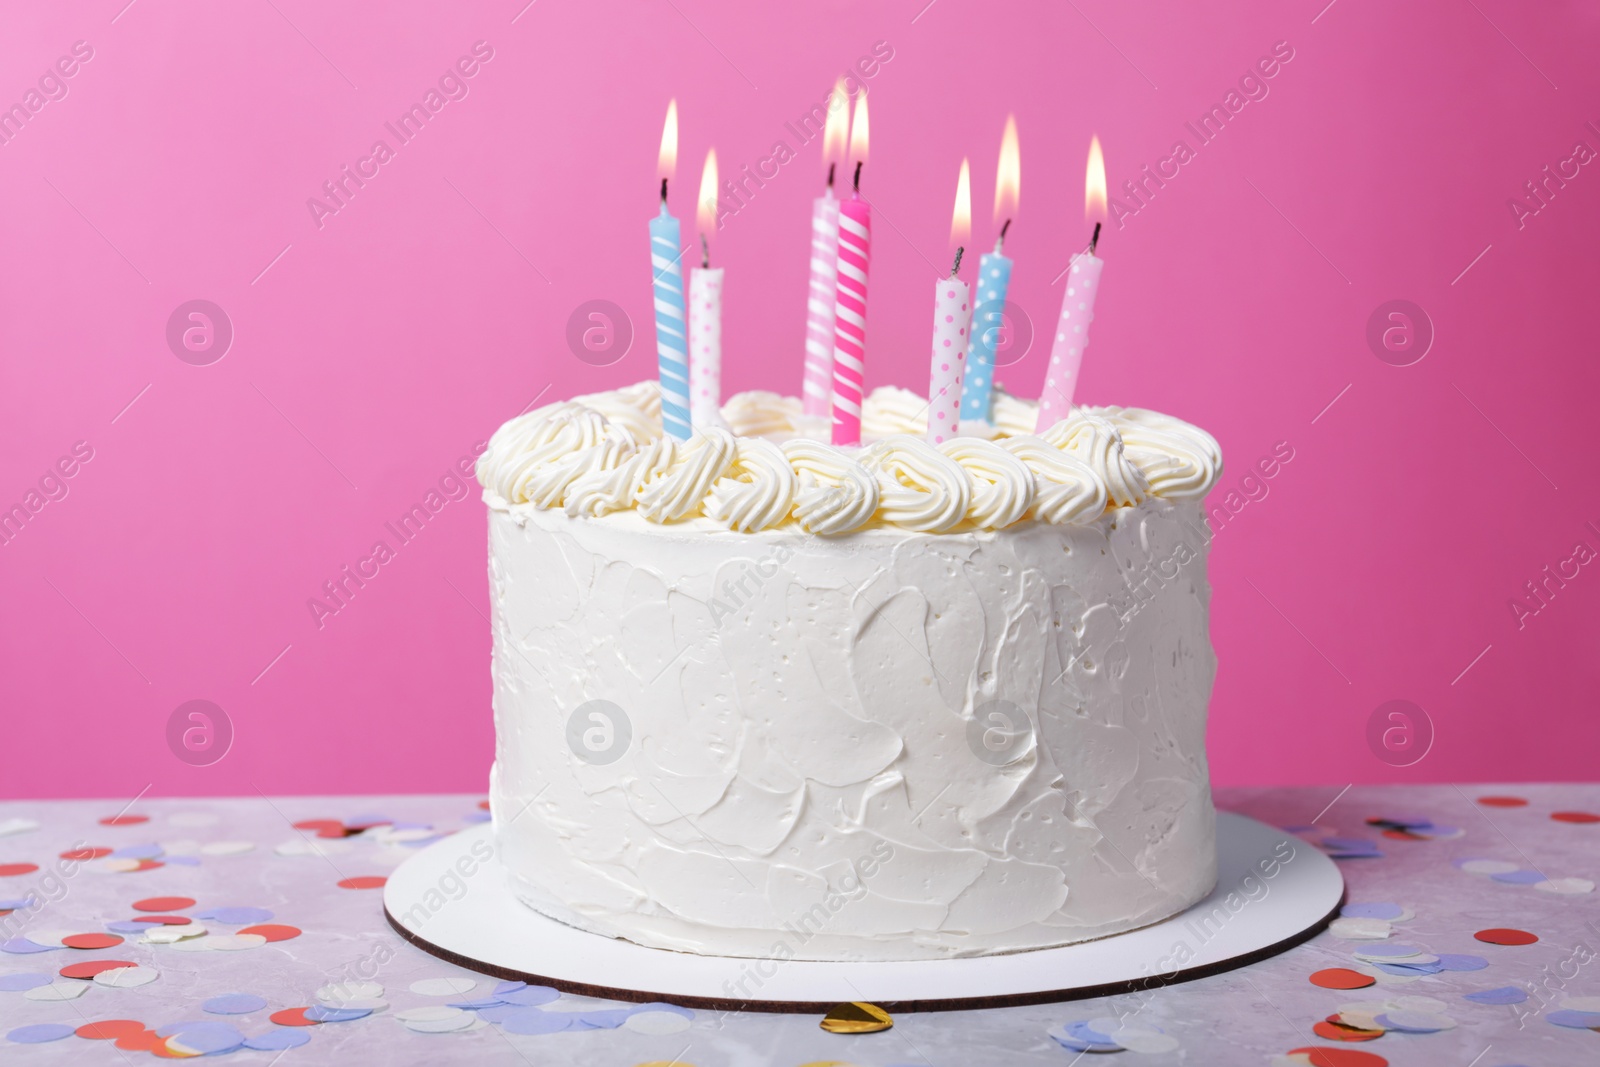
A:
{"points": [[767, 467]]}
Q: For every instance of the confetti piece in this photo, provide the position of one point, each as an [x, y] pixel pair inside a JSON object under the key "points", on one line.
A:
{"points": [[109, 1029], [11, 870], [1360, 929], [292, 1017], [58, 991], [227, 848], [127, 977], [856, 1017], [429, 1013], [277, 1040], [1507, 994], [1519, 877], [89, 968], [530, 996], [1415, 970], [1565, 886], [1576, 1020], [443, 987], [1384, 911], [1583, 817], [1387, 952], [203, 1037], [163, 904], [234, 1004], [85, 853], [1073, 1037], [164, 920], [1336, 1031], [1502, 802], [91, 941], [656, 1022], [1416, 1022], [1341, 978], [21, 983], [124, 820], [533, 1021], [169, 935], [1455, 961], [39, 1033], [324, 1013], [21, 946], [273, 931], [364, 881], [235, 916], [1321, 1056], [1505, 936]]}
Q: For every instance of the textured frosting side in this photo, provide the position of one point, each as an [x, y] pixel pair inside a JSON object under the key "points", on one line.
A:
{"points": [[767, 468], [806, 761]]}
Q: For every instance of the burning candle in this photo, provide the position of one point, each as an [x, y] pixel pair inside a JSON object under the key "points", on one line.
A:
{"points": [[952, 302], [817, 388], [850, 294], [672, 358], [994, 279], [1077, 306], [705, 313]]}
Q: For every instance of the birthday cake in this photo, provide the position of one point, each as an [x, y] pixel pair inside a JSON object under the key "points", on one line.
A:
{"points": [[757, 695]]}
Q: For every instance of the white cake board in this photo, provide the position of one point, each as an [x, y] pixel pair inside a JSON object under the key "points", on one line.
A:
{"points": [[489, 930]]}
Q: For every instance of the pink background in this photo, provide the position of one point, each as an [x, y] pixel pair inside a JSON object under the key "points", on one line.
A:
{"points": [[377, 349]]}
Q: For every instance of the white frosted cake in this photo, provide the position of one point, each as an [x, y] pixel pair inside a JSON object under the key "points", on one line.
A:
{"points": [[759, 696]]}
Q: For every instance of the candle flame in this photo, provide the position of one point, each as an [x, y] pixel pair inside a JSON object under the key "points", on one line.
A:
{"points": [[707, 215], [1094, 183], [837, 130], [667, 161], [1008, 182], [961, 220], [858, 131]]}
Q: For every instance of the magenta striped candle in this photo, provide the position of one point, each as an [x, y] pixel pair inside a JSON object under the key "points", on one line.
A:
{"points": [[850, 319], [816, 392]]}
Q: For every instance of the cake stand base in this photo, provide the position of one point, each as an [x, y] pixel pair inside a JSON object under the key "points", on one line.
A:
{"points": [[484, 927]]}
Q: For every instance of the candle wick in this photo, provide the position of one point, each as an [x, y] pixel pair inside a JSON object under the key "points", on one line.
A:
{"points": [[1000, 242], [705, 251], [955, 268], [1094, 240], [856, 184], [831, 166], [663, 190]]}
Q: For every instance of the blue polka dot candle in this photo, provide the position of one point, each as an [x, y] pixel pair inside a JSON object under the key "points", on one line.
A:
{"points": [[666, 270], [989, 295]]}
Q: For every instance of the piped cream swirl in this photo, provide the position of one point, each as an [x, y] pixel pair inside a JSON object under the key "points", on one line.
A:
{"points": [[605, 452]]}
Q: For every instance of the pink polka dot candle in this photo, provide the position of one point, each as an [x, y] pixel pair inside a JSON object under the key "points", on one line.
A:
{"points": [[952, 319], [705, 314], [1071, 330]]}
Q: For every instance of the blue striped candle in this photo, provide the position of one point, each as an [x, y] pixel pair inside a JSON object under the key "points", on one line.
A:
{"points": [[672, 351], [989, 305]]}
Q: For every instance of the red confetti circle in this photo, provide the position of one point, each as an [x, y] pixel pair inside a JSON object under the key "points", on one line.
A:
{"points": [[1338, 1032], [1341, 978], [108, 1029], [1575, 816], [147, 865], [334, 831], [85, 853], [320, 824], [1339, 1057], [124, 820], [89, 968], [1502, 802], [483, 805], [292, 1017], [163, 904], [365, 881], [143, 1041], [1402, 835], [11, 870], [91, 941], [1503, 935], [164, 920], [273, 931]]}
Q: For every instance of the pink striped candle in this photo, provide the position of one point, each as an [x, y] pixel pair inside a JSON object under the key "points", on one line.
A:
{"points": [[817, 389], [850, 318]]}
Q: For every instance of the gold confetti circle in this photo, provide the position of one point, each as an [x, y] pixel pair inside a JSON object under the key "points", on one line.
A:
{"points": [[856, 1017]]}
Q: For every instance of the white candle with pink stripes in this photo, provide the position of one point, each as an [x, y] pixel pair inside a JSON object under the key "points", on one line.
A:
{"points": [[850, 299], [1077, 305], [952, 318], [816, 389]]}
